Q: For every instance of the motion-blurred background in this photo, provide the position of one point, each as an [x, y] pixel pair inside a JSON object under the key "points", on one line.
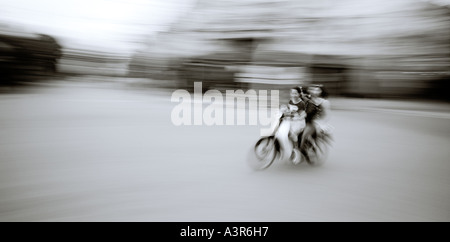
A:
{"points": [[85, 109], [357, 48]]}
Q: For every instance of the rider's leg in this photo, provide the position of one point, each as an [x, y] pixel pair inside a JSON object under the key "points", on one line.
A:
{"points": [[299, 137], [308, 132], [296, 127], [294, 139]]}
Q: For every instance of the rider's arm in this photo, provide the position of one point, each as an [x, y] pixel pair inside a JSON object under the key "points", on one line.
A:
{"points": [[285, 111]]}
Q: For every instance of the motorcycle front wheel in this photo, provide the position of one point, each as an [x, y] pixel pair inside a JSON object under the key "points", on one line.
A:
{"points": [[263, 153]]}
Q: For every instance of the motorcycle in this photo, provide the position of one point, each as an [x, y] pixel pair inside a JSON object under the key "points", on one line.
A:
{"points": [[278, 146]]}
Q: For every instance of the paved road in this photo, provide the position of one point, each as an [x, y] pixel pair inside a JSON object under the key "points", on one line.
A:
{"points": [[104, 154]]}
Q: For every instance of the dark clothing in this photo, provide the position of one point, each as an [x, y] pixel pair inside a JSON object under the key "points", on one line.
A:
{"points": [[300, 106], [313, 111]]}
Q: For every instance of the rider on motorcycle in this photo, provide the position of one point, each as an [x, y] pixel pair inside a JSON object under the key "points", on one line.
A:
{"points": [[295, 112], [303, 122]]}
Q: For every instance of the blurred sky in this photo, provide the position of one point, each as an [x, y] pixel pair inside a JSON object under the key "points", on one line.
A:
{"points": [[105, 25]]}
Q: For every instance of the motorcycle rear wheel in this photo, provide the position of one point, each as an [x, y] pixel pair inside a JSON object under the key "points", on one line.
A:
{"points": [[317, 151]]}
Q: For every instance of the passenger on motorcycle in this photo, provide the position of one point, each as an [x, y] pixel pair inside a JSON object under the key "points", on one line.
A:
{"points": [[317, 115]]}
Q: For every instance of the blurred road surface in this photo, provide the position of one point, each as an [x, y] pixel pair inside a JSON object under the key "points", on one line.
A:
{"points": [[71, 153]]}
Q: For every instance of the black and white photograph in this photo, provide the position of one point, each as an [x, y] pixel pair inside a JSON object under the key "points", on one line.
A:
{"points": [[224, 111]]}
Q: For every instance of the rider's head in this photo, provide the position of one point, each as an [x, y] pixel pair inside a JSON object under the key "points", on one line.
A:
{"points": [[317, 90], [295, 92]]}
